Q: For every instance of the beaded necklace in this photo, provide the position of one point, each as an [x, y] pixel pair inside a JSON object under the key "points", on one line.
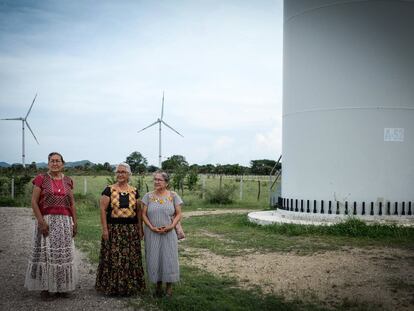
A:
{"points": [[55, 185]]}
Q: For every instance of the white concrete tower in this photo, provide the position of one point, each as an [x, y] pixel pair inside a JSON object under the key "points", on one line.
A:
{"points": [[348, 107]]}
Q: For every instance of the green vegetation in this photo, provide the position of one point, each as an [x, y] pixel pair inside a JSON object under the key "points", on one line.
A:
{"points": [[226, 235], [202, 291], [89, 226], [221, 195], [232, 235]]}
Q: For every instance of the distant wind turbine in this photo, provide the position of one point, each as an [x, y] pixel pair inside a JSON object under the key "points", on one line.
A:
{"points": [[159, 121], [24, 120]]}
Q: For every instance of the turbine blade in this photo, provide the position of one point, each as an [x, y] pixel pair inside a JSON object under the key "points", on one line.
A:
{"points": [[162, 107], [149, 126], [19, 119], [30, 107], [171, 128], [28, 126]]}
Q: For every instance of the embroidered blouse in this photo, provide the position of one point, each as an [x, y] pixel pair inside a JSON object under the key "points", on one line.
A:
{"points": [[122, 207], [56, 196]]}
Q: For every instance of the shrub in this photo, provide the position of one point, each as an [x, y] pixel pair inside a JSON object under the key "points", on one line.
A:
{"points": [[223, 195], [178, 178], [4, 201], [192, 179]]}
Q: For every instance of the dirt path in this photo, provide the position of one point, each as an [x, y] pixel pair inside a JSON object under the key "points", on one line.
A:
{"points": [[383, 276], [16, 225], [380, 276], [216, 212]]}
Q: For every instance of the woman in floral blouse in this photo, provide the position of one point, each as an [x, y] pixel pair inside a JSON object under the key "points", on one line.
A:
{"points": [[161, 213], [120, 269]]}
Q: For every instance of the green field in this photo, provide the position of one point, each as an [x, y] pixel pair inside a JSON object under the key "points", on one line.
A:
{"points": [[193, 199], [230, 236]]}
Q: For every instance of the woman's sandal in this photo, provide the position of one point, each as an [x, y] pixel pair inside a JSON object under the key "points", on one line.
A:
{"points": [[45, 295], [63, 295]]}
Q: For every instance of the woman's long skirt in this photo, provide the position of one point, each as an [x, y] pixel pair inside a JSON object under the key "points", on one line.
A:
{"points": [[120, 269], [161, 252], [52, 261]]}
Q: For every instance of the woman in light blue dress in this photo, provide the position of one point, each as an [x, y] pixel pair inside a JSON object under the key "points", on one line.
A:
{"points": [[161, 213]]}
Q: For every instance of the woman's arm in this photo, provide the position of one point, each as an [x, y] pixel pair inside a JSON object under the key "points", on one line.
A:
{"points": [[146, 220], [139, 217], [177, 218], [44, 227], [74, 216], [104, 203]]}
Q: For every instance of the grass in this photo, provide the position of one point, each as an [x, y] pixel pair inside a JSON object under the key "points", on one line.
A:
{"points": [[89, 227], [194, 199], [232, 235], [199, 290], [241, 236]]}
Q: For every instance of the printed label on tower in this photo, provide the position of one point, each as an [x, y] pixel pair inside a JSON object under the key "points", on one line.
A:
{"points": [[393, 134]]}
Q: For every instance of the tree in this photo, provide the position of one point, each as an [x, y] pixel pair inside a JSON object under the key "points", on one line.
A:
{"points": [[137, 162], [192, 178], [152, 168], [32, 166], [174, 163], [206, 169], [107, 167], [261, 167]]}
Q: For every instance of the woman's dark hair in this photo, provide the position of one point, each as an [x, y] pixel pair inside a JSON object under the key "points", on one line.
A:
{"points": [[164, 175], [55, 153]]}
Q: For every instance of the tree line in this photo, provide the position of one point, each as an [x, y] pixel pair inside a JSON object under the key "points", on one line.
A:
{"points": [[139, 165], [176, 163]]}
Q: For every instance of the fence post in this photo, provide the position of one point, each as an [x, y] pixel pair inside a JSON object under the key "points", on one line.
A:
{"points": [[221, 180], [85, 186], [12, 188], [241, 188], [203, 187], [258, 193]]}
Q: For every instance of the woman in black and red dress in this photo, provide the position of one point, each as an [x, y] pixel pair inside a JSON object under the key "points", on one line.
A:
{"points": [[51, 266], [120, 269]]}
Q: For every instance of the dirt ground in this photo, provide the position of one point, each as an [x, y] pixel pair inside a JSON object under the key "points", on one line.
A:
{"points": [[16, 229], [380, 276], [374, 276]]}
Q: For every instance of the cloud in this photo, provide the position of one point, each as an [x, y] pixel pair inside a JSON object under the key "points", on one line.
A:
{"points": [[270, 141]]}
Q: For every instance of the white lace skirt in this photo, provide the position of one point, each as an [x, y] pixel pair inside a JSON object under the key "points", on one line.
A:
{"points": [[52, 261]]}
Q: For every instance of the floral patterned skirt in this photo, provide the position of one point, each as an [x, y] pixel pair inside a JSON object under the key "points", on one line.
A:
{"points": [[120, 269], [52, 260]]}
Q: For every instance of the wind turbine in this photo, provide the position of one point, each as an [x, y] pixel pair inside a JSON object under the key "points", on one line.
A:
{"points": [[24, 120], [160, 121]]}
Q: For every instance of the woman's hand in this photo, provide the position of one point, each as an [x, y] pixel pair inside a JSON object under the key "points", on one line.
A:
{"points": [[74, 229], [159, 230], [168, 229], [44, 228], [105, 234]]}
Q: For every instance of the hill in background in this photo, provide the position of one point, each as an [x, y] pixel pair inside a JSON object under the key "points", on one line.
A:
{"points": [[43, 164]]}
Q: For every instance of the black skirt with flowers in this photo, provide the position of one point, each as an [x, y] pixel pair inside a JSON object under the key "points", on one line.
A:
{"points": [[120, 269]]}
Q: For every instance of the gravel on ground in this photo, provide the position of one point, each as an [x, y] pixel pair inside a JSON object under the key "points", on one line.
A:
{"points": [[16, 230]]}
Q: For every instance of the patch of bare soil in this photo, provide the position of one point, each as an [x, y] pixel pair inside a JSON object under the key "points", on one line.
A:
{"points": [[216, 212], [16, 229], [376, 276]]}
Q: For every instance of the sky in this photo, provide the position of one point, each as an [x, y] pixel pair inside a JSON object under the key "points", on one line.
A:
{"points": [[99, 69]]}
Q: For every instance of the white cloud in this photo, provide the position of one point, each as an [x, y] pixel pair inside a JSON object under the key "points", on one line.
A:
{"points": [[100, 79]]}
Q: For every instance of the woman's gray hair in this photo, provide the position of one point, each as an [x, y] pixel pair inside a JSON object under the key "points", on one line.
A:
{"points": [[126, 165], [164, 175]]}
